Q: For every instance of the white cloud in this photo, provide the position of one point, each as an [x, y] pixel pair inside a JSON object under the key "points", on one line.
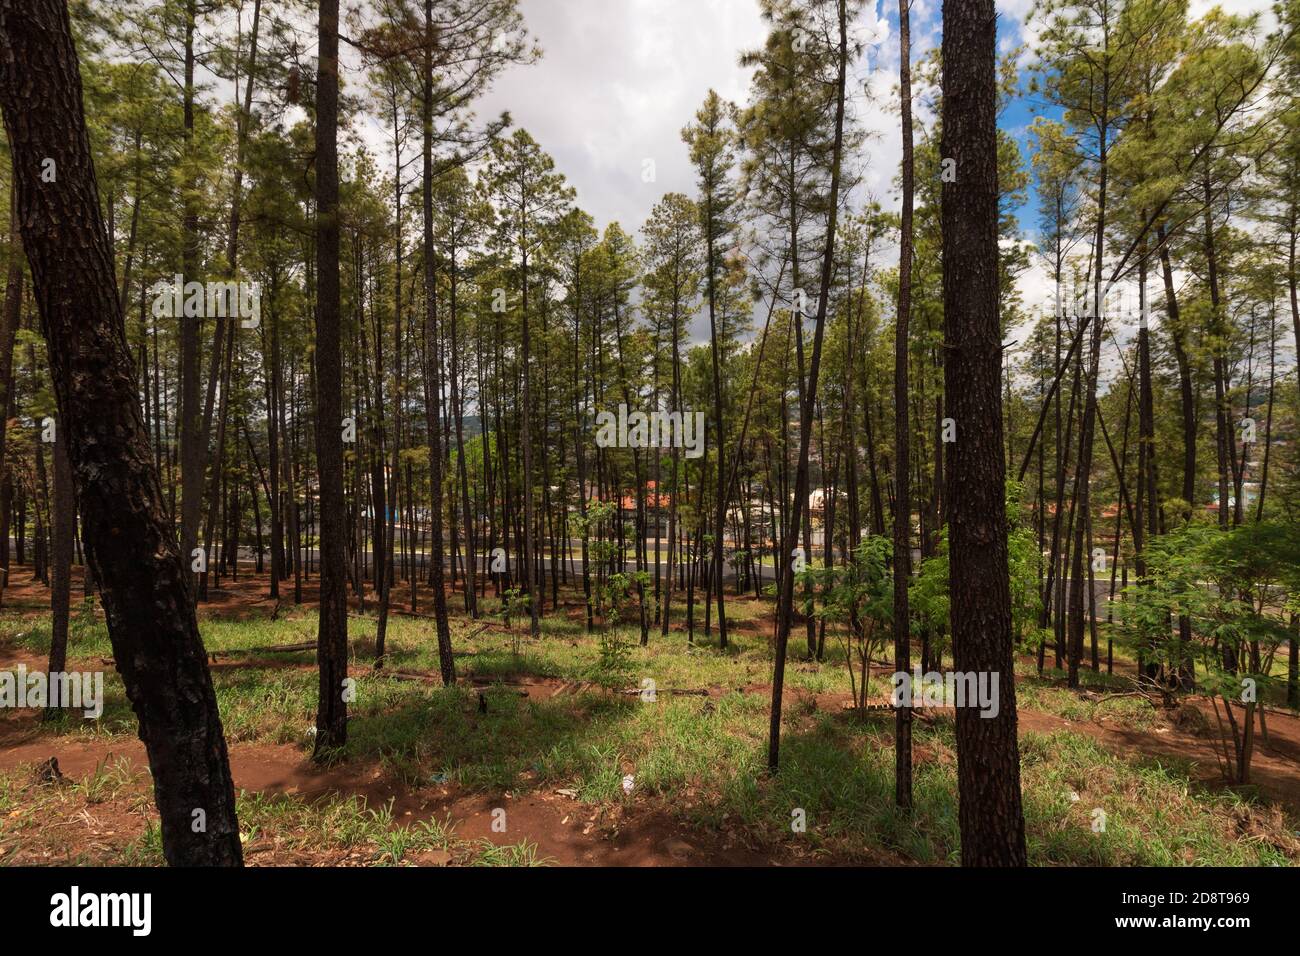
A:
{"points": [[620, 78], [616, 84]]}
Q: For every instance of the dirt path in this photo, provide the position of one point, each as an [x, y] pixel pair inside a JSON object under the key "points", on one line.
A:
{"points": [[569, 833], [1275, 766], [565, 831]]}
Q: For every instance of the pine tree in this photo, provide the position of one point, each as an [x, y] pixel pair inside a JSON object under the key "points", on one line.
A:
{"points": [[148, 600]]}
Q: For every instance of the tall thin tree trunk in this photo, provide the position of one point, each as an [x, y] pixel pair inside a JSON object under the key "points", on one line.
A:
{"points": [[902, 459], [9, 320], [786, 607], [193, 439], [64, 521], [445, 662]]}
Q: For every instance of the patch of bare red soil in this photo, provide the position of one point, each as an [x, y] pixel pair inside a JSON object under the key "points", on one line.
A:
{"points": [[1274, 767], [564, 831]]}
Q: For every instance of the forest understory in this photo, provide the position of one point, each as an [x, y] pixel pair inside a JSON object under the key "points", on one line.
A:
{"points": [[426, 765]]}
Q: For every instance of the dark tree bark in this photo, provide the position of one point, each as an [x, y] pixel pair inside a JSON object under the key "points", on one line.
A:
{"points": [[532, 579], [1186, 393], [988, 759], [193, 436], [64, 521], [458, 404], [1148, 501], [446, 662], [9, 320], [720, 492], [332, 637], [902, 459], [147, 599], [1218, 329], [274, 402]]}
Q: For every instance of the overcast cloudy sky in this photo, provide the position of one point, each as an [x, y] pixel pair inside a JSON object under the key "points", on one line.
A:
{"points": [[619, 79]]}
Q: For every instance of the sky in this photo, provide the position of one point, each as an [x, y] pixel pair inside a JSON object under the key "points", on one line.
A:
{"points": [[618, 79]]}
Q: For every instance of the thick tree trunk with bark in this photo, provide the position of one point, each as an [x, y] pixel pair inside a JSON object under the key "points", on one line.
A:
{"points": [[988, 759], [128, 539], [332, 636]]}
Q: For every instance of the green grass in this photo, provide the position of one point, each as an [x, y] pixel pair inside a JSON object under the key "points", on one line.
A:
{"points": [[701, 759], [286, 824]]}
